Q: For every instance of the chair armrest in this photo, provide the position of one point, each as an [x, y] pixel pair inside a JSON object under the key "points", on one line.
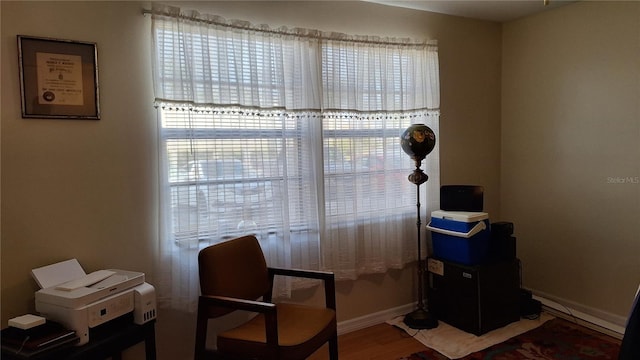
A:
{"points": [[327, 276], [268, 309], [236, 303], [311, 274]]}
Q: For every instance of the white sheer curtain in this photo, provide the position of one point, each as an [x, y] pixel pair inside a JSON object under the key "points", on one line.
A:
{"points": [[292, 135]]}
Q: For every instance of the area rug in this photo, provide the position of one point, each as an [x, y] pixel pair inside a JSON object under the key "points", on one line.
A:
{"points": [[553, 340], [455, 343]]}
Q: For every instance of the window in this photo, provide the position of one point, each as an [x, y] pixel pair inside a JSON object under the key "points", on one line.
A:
{"points": [[234, 172], [292, 135]]}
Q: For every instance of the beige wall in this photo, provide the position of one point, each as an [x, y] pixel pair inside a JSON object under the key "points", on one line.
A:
{"points": [[87, 189], [571, 153], [542, 111]]}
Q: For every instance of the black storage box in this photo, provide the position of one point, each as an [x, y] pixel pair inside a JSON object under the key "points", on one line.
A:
{"points": [[461, 198], [475, 299]]}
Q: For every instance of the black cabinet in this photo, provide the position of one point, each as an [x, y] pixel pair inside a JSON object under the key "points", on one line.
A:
{"points": [[476, 299]]}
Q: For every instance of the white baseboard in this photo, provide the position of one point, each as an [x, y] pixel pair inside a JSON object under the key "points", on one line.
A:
{"points": [[576, 313], [553, 307], [379, 317]]}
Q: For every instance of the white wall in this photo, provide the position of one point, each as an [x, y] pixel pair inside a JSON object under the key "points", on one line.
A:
{"points": [[87, 189], [571, 153]]}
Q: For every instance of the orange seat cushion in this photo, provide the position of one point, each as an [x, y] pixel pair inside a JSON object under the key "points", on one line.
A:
{"points": [[297, 325]]}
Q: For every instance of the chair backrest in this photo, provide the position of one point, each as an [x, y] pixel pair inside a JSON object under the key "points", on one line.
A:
{"points": [[235, 268]]}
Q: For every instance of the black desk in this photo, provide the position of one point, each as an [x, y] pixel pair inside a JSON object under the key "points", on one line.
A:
{"points": [[105, 341]]}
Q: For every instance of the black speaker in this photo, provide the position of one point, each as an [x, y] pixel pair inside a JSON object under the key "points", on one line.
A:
{"points": [[502, 228], [501, 247], [529, 307]]}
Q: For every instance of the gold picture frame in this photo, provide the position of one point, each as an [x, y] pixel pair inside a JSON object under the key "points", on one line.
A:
{"points": [[58, 78]]}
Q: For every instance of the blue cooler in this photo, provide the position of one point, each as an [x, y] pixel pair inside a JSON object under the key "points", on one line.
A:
{"points": [[460, 236]]}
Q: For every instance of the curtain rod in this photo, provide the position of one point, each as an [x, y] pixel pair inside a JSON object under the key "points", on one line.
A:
{"points": [[319, 35]]}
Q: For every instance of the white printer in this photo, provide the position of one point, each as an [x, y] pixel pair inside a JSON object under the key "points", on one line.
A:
{"points": [[82, 301]]}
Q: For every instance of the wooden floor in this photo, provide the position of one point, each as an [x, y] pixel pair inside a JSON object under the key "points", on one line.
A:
{"points": [[386, 342], [379, 342]]}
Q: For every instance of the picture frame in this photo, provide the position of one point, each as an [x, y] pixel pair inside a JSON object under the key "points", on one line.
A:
{"points": [[58, 78]]}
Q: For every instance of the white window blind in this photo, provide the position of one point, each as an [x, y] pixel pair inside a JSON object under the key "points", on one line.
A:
{"points": [[290, 134]]}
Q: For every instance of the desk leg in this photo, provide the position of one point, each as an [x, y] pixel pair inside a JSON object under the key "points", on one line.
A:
{"points": [[150, 343]]}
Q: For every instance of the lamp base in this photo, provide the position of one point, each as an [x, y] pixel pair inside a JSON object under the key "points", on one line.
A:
{"points": [[420, 319]]}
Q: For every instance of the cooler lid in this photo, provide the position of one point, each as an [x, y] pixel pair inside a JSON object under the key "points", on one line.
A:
{"points": [[463, 216]]}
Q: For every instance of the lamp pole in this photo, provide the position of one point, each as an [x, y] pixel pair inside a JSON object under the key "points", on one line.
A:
{"points": [[418, 140], [420, 318]]}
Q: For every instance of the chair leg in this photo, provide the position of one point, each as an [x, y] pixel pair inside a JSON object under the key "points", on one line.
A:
{"points": [[201, 337], [333, 347]]}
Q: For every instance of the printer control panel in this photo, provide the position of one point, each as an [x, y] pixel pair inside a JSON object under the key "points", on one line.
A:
{"points": [[119, 304]]}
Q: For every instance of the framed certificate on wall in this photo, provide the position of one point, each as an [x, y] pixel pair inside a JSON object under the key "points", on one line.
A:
{"points": [[58, 78]]}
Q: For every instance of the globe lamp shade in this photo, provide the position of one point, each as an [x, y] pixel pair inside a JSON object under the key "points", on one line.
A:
{"points": [[418, 140]]}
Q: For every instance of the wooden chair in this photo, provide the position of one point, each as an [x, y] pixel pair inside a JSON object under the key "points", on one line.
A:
{"points": [[234, 276]]}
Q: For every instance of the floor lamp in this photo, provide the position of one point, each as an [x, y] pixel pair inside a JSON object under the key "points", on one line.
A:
{"points": [[418, 140]]}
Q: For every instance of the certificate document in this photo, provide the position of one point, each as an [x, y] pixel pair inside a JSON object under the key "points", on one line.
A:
{"points": [[59, 79]]}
